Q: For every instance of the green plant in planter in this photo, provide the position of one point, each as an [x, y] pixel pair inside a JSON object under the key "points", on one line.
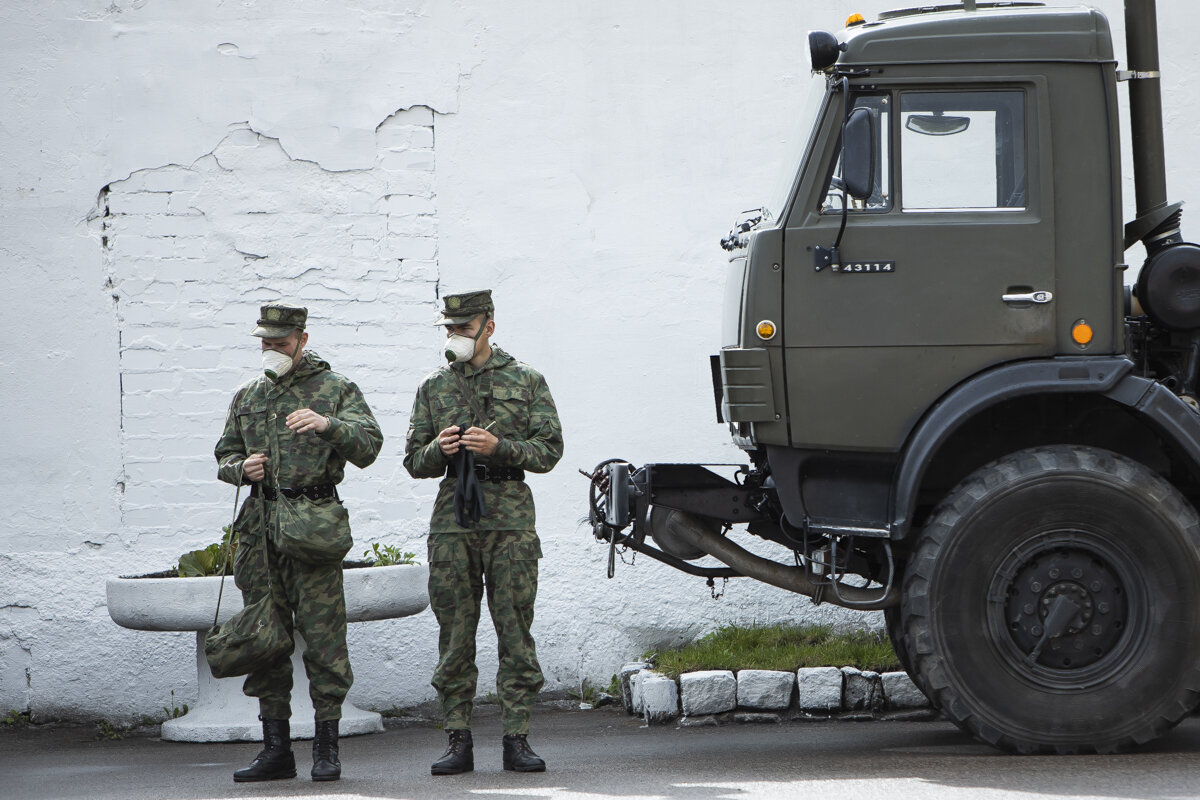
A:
{"points": [[207, 561], [388, 555]]}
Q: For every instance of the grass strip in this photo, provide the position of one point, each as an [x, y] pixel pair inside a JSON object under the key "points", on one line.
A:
{"points": [[780, 647]]}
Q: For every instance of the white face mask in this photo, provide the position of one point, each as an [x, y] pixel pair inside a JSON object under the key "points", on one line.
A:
{"points": [[458, 348], [275, 364]]}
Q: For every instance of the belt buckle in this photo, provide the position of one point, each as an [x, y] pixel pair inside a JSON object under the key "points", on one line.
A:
{"points": [[484, 472]]}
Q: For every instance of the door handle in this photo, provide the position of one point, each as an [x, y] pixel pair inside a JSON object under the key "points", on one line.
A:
{"points": [[1024, 298]]}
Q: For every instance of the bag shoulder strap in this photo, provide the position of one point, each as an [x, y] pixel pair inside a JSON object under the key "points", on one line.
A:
{"points": [[228, 545]]}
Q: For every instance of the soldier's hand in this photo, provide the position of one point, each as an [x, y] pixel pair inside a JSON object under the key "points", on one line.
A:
{"points": [[303, 420], [255, 467], [448, 440], [481, 441]]}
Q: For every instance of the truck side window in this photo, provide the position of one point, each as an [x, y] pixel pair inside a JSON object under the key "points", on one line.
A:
{"points": [[881, 198], [962, 150]]}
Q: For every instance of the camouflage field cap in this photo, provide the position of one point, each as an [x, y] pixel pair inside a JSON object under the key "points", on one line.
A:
{"points": [[276, 320], [458, 309]]}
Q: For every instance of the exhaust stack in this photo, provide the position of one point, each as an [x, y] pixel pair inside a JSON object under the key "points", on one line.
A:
{"points": [[1157, 223]]}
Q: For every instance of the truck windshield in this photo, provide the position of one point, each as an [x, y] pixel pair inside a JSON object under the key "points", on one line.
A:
{"points": [[796, 148]]}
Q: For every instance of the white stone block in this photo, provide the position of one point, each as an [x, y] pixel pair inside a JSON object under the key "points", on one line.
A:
{"points": [[819, 688], [421, 248], [863, 690], [401, 160], [900, 692], [764, 688], [183, 203], [134, 246], [138, 202], [636, 704], [707, 692], [625, 676], [660, 698], [423, 225], [410, 181], [403, 205]]}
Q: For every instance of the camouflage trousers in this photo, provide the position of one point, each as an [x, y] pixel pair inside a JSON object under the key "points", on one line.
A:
{"points": [[461, 565], [314, 596]]}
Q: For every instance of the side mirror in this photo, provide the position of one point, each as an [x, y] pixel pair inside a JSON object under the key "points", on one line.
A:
{"points": [[858, 153]]}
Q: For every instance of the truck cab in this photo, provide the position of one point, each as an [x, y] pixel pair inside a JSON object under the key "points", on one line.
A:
{"points": [[992, 235]]}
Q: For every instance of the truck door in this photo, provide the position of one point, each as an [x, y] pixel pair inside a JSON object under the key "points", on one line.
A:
{"points": [[948, 268]]}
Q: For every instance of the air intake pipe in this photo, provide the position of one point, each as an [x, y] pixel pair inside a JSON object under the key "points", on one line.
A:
{"points": [[1157, 223]]}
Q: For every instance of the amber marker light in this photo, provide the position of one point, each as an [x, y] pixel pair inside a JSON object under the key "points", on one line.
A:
{"points": [[766, 329], [1081, 332], [855, 19]]}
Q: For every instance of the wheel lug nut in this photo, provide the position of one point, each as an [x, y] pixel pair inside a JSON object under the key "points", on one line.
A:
{"points": [[1035, 586], [1036, 630], [1028, 608], [1054, 572], [1097, 630], [1077, 573], [1096, 586], [1102, 608]]}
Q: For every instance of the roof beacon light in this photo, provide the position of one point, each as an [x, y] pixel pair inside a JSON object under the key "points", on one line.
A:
{"points": [[855, 19]]}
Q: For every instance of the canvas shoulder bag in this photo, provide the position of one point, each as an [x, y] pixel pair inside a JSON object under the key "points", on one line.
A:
{"points": [[255, 636]]}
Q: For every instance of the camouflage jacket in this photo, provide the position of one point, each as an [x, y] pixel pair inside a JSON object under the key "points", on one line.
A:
{"points": [[256, 424], [515, 397]]}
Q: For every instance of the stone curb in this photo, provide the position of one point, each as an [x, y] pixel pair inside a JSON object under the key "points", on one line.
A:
{"points": [[715, 697]]}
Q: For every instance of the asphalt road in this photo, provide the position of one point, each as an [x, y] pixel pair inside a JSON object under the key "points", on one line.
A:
{"points": [[604, 754]]}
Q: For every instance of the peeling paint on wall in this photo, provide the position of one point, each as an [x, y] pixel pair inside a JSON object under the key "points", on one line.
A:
{"points": [[191, 251]]}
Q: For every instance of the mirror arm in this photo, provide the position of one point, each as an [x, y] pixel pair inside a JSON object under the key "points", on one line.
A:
{"points": [[845, 199], [832, 257]]}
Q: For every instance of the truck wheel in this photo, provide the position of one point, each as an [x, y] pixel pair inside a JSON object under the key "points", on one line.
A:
{"points": [[1049, 603]]}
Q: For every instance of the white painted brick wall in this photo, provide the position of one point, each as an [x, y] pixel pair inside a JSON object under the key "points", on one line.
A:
{"points": [[307, 162]]}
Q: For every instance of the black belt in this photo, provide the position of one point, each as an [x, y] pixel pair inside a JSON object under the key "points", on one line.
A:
{"points": [[487, 472], [318, 492]]}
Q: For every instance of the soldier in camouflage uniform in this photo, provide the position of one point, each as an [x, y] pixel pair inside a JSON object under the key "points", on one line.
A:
{"points": [[289, 434], [511, 425]]}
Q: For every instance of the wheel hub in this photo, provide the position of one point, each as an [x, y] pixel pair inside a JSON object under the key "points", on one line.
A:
{"points": [[1034, 585]]}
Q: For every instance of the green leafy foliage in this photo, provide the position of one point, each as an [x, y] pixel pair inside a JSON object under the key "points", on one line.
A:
{"points": [[15, 719], [174, 711], [207, 561], [388, 555], [585, 694], [780, 647], [106, 731]]}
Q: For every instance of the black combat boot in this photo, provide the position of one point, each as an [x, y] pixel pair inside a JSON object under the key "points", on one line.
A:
{"points": [[326, 766], [459, 756], [519, 756], [276, 759]]}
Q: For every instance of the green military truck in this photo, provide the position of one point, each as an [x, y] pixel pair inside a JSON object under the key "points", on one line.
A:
{"points": [[952, 408]]}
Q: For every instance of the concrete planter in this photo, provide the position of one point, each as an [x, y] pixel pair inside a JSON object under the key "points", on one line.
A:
{"points": [[221, 712]]}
